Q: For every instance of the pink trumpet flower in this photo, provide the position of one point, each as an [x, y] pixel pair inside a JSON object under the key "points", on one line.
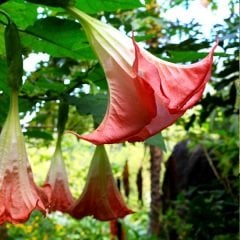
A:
{"points": [[19, 195], [147, 94], [60, 197], [100, 197]]}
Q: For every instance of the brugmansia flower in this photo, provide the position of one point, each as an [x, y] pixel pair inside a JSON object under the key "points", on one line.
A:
{"points": [[100, 197], [146, 94], [60, 197], [19, 195]]}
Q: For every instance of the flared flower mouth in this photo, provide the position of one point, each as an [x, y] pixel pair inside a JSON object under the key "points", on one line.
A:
{"points": [[100, 198], [146, 94]]}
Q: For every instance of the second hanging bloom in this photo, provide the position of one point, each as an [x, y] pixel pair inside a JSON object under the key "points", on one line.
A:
{"points": [[100, 198]]}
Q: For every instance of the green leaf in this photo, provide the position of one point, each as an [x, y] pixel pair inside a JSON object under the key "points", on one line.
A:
{"points": [[95, 105], [22, 14], [185, 56], [59, 38], [54, 3], [97, 77], [157, 140], [48, 84], [3, 75], [43, 86], [93, 6], [189, 56], [26, 105], [4, 100], [39, 134], [2, 42]]}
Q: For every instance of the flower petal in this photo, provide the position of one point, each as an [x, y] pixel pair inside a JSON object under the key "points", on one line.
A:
{"points": [[131, 106], [176, 87], [100, 197]]}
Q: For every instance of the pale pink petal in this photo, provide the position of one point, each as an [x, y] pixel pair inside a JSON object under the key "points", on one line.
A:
{"points": [[59, 194]]}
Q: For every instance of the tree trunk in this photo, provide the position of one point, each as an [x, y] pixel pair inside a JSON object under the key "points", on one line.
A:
{"points": [[3, 232], [155, 205]]}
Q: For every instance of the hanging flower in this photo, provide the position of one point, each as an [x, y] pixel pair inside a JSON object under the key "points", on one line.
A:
{"points": [[100, 197], [19, 195], [60, 197], [146, 94]]}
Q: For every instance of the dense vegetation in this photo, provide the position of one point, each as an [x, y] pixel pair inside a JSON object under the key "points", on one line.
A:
{"points": [[199, 177]]}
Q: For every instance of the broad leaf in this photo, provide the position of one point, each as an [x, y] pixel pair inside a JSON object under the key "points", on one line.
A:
{"points": [[39, 134], [97, 77], [3, 75], [23, 14], [2, 42], [93, 6], [43, 86], [157, 140], [4, 105], [59, 38], [91, 104], [185, 56], [189, 56]]}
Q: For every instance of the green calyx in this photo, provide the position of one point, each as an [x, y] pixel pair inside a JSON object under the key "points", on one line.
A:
{"points": [[100, 164], [11, 128], [62, 117], [13, 54], [54, 3]]}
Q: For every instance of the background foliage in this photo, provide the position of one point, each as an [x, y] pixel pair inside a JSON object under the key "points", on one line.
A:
{"points": [[71, 72]]}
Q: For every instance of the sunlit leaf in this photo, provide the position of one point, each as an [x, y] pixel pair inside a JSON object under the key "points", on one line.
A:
{"points": [[21, 13], [93, 6]]}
